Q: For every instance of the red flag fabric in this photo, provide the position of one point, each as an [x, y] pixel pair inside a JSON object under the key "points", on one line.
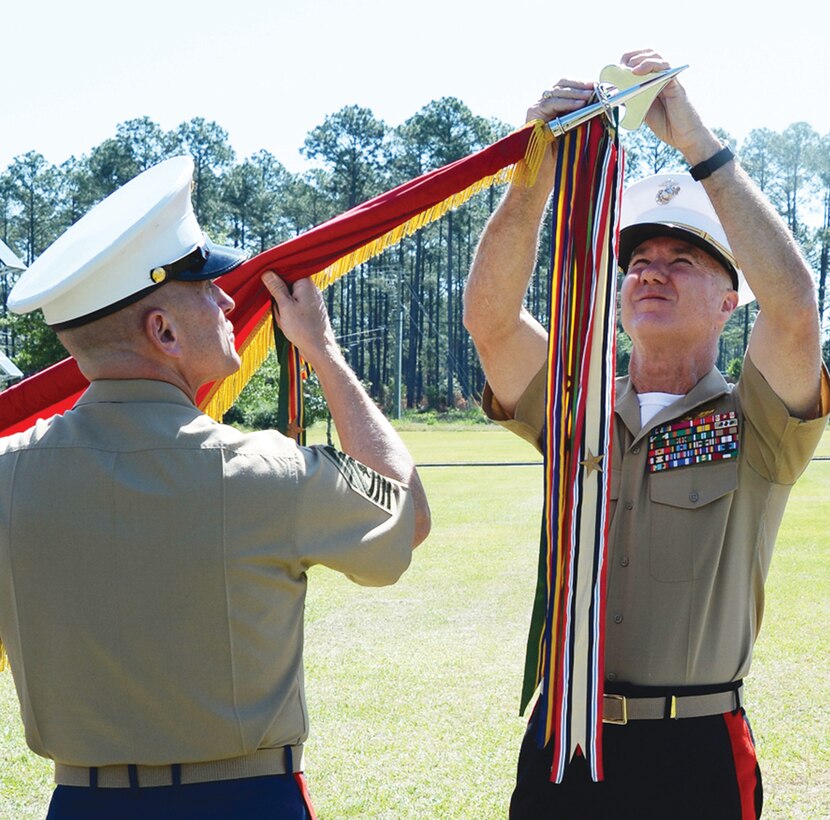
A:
{"points": [[326, 251]]}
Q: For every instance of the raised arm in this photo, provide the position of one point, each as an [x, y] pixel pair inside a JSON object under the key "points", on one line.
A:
{"points": [[511, 344], [365, 433], [785, 341]]}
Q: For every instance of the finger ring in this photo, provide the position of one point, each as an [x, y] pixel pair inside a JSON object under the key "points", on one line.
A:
{"points": [[547, 94]]}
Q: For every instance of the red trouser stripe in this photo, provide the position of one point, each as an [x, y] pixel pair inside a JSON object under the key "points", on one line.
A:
{"points": [[300, 778], [746, 764]]}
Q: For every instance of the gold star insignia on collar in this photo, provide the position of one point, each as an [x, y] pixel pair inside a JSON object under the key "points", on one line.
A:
{"points": [[592, 462]]}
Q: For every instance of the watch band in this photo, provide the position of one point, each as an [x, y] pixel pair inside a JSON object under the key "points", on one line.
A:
{"points": [[708, 166]]}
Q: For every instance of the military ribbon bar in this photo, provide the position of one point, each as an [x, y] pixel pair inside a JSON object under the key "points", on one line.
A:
{"points": [[693, 441]]}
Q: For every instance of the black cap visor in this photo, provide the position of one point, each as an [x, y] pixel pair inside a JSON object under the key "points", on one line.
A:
{"points": [[634, 235], [208, 261]]}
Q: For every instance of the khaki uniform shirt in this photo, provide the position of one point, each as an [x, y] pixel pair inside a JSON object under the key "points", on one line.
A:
{"points": [[690, 546], [153, 575]]}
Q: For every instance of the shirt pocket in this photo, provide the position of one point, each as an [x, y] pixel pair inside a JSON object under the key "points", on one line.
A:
{"points": [[689, 513]]}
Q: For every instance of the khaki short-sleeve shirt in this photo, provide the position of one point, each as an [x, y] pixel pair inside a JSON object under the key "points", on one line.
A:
{"points": [[690, 544], [153, 575]]}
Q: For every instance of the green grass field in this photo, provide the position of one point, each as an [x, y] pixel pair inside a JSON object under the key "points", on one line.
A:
{"points": [[413, 689]]}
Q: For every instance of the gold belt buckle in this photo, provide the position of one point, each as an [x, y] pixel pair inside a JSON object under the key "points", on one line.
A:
{"points": [[623, 719]]}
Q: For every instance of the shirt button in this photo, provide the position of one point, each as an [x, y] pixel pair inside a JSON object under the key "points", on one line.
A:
{"points": [[611, 676], [635, 450], [618, 619], [693, 497], [629, 505], [624, 561]]}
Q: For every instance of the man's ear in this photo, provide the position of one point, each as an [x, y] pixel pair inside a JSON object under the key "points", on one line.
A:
{"points": [[729, 304], [160, 330]]}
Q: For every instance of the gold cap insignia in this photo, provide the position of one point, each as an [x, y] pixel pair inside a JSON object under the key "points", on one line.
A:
{"points": [[158, 275]]}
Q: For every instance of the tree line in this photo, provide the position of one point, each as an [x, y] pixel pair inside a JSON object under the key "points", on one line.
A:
{"points": [[398, 316]]}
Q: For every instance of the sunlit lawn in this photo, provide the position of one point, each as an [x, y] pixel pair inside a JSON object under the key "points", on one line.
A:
{"points": [[413, 689]]}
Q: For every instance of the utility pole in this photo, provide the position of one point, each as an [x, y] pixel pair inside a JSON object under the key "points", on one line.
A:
{"points": [[9, 263], [399, 369]]}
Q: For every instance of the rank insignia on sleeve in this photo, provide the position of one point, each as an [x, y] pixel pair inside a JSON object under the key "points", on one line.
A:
{"points": [[379, 489], [699, 440]]}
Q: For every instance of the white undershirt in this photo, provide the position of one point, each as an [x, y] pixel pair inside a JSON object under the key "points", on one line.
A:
{"points": [[652, 403]]}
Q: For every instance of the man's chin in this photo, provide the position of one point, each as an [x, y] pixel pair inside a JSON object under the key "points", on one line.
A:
{"points": [[651, 326], [232, 364]]}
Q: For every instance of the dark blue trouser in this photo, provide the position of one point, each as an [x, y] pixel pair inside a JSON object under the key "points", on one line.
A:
{"points": [[272, 796]]}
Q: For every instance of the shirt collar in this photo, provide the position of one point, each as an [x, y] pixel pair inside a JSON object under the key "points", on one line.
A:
{"points": [[710, 387], [133, 390]]}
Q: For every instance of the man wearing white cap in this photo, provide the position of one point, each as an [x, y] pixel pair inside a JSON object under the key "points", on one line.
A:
{"points": [[152, 561], [690, 539]]}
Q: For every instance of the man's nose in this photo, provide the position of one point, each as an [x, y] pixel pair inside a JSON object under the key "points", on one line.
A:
{"points": [[654, 271], [224, 301]]}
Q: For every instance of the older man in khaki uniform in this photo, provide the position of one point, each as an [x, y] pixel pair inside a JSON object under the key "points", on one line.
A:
{"points": [[153, 562], [700, 471]]}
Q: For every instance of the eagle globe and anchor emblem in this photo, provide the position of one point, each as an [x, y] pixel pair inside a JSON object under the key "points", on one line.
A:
{"points": [[667, 192]]}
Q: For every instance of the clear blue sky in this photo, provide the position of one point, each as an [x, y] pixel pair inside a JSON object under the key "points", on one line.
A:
{"points": [[268, 72]]}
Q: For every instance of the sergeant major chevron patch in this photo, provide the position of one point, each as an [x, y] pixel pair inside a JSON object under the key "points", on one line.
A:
{"points": [[379, 489]]}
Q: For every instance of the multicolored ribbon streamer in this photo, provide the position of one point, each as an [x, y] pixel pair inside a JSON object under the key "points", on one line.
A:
{"points": [[565, 645], [290, 397]]}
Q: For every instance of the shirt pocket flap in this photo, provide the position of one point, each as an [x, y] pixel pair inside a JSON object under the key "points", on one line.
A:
{"points": [[690, 488]]}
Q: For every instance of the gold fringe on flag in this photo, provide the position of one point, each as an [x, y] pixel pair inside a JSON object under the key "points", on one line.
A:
{"points": [[523, 173], [253, 353], [526, 171]]}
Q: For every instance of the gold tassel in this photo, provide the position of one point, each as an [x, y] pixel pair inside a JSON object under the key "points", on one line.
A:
{"points": [[4, 658], [222, 396], [526, 171]]}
